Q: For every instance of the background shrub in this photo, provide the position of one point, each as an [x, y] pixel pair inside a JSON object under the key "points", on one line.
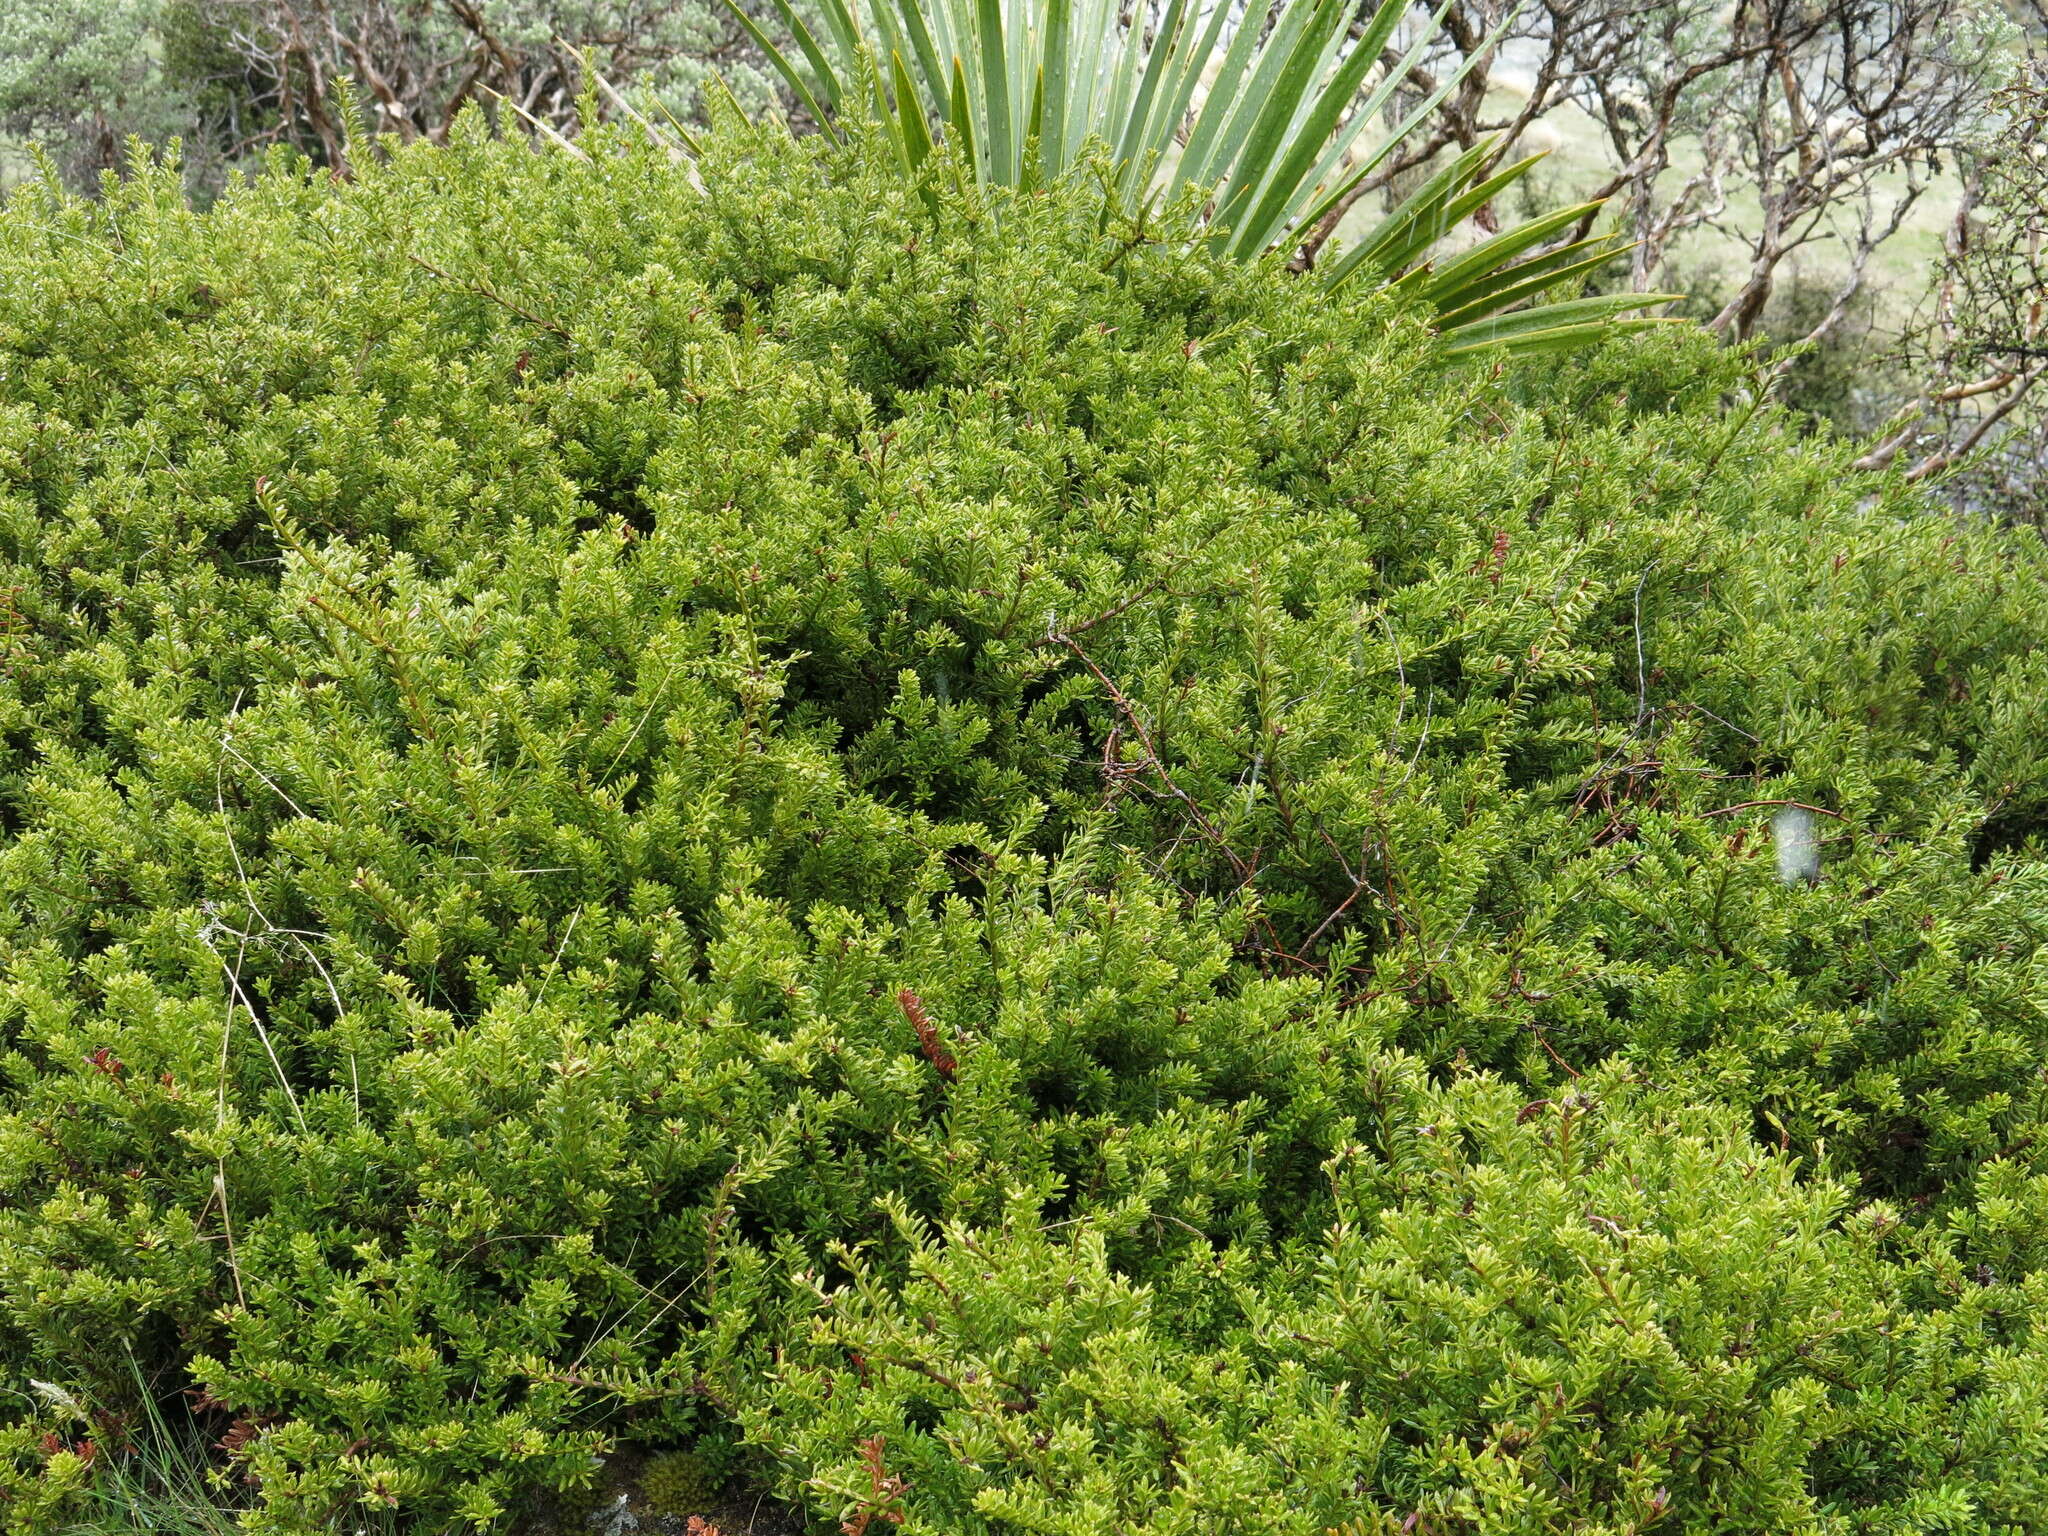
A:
{"points": [[1054, 885]]}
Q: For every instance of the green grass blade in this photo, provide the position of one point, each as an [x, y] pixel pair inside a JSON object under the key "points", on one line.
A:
{"points": [[1600, 311], [1129, 49], [1510, 285], [915, 135], [1130, 143], [961, 114], [1418, 238], [1404, 234], [995, 93], [1246, 145], [785, 67], [915, 28], [1290, 182], [681, 130], [1383, 22], [1053, 148], [822, 72], [1179, 100], [1384, 91], [1084, 72], [1495, 253], [1032, 173], [1019, 44], [1199, 162], [1322, 117], [1562, 338], [1427, 215], [847, 40], [1335, 194]]}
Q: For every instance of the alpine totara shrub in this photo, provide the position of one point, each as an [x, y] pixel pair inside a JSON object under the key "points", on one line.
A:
{"points": [[999, 875]]}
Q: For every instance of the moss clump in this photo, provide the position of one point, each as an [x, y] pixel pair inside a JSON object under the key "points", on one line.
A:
{"points": [[679, 1484]]}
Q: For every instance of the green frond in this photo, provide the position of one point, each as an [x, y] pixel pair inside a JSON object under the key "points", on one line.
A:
{"points": [[1022, 86]]}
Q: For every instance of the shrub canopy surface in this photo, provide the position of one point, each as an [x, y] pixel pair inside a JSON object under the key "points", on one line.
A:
{"points": [[1010, 878]]}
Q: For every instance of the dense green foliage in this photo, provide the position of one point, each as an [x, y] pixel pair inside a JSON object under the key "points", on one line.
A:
{"points": [[1267, 131], [989, 872]]}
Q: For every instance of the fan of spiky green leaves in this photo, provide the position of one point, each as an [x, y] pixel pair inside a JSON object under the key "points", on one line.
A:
{"points": [[1271, 118]]}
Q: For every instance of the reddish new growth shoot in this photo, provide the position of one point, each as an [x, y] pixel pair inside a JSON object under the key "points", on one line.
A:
{"points": [[928, 1039], [885, 1489], [1498, 559]]}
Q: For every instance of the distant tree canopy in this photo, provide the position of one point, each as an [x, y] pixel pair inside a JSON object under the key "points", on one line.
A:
{"points": [[1980, 340], [83, 75], [233, 77]]}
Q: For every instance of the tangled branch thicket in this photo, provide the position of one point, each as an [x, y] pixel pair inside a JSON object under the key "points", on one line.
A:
{"points": [[1980, 342]]}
